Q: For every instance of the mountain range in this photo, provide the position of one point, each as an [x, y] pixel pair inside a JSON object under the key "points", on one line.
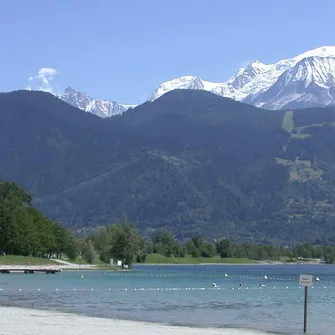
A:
{"points": [[307, 80], [102, 108], [190, 161]]}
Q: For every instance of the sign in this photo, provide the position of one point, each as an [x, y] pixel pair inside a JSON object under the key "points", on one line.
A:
{"points": [[119, 263], [111, 261], [306, 280]]}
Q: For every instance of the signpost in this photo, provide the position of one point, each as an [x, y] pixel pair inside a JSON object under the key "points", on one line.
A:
{"points": [[306, 280]]}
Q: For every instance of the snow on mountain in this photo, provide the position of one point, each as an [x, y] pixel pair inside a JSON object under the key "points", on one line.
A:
{"points": [[310, 82], [305, 80], [227, 89], [327, 51], [252, 83], [102, 108], [185, 82]]}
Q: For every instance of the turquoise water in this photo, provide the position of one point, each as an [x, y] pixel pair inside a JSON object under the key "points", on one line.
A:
{"points": [[183, 295]]}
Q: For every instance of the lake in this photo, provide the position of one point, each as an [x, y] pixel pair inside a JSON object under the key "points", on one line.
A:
{"points": [[184, 295]]}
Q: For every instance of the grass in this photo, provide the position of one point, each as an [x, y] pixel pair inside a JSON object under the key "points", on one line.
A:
{"points": [[80, 260], [25, 260], [93, 268], [160, 259], [300, 169], [288, 122], [300, 130], [288, 125]]}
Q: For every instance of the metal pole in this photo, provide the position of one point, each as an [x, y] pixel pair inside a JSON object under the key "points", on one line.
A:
{"points": [[305, 310]]}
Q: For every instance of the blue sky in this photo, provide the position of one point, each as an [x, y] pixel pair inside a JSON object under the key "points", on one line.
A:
{"points": [[122, 50]]}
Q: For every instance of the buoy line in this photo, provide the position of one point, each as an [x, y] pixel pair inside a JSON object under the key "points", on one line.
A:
{"points": [[213, 288]]}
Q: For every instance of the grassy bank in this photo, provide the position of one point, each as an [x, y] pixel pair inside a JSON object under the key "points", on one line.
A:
{"points": [[31, 261], [160, 259], [150, 259], [25, 260]]}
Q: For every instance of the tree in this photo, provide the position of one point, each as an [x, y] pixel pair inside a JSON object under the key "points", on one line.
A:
{"points": [[223, 248], [12, 199], [192, 249], [24, 230], [71, 247], [208, 249], [164, 243], [61, 238], [126, 243], [102, 243], [88, 252]]}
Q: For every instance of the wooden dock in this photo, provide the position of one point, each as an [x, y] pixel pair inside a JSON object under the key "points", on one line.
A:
{"points": [[29, 269]]}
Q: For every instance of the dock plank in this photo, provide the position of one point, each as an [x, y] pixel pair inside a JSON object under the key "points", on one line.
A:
{"points": [[29, 269]]}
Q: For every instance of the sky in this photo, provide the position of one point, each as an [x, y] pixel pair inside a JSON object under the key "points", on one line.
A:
{"points": [[122, 50]]}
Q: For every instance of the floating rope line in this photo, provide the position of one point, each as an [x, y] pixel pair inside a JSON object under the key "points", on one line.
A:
{"points": [[270, 287], [268, 278]]}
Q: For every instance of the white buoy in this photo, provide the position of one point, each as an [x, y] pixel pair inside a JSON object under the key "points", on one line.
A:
{"points": [[225, 275], [265, 277]]}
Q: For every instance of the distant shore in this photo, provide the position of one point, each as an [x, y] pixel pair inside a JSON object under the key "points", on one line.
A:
{"points": [[230, 264], [152, 260], [27, 321]]}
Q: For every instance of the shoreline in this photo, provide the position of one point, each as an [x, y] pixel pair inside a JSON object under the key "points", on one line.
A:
{"points": [[64, 267], [141, 265], [17, 320], [229, 264]]}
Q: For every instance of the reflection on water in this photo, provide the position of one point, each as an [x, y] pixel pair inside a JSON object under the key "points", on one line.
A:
{"points": [[184, 295]]}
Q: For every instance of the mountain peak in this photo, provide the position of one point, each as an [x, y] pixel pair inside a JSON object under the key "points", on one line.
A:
{"points": [[257, 64], [256, 67], [184, 82], [326, 51], [249, 84], [70, 90], [102, 108]]}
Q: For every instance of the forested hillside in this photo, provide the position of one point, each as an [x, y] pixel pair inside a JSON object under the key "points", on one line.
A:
{"points": [[191, 161]]}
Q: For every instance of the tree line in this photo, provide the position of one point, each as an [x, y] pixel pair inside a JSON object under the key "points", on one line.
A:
{"points": [[124, 242], [163, 242], [24, 230]]}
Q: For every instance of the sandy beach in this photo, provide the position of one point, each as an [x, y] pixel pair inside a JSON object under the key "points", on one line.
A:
{"points": [[30, 322]]}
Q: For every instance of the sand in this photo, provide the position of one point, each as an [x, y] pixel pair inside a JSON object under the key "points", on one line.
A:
{"points": [[16, 321]]}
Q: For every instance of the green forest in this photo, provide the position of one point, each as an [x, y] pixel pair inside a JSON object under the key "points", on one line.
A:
{"points": [[191, 162], [24, 230]]}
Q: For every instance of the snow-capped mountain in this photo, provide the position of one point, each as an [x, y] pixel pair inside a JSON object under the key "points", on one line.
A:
{"points": [[311, 82], [102, 108], [305, 80]]}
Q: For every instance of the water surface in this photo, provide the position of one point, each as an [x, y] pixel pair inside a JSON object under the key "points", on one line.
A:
{"points": [[184, 295]]}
